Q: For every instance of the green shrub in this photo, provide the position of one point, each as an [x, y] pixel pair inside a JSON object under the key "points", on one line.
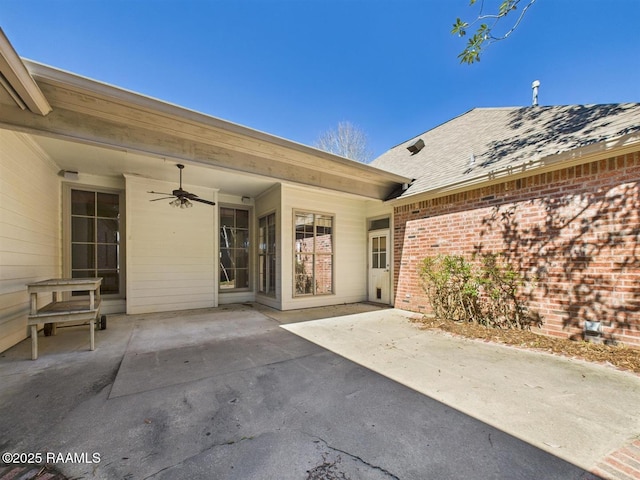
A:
{"points": [[485, 291], [452, 288]]}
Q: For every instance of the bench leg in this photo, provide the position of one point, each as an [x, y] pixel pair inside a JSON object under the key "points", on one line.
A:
{"points": [[92, 329], [34, 342]]}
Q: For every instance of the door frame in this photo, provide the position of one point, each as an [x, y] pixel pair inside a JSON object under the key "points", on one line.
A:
{"points": [[386, 294]]}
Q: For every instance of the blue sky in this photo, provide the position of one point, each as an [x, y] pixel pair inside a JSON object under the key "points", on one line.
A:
{"points": [[295, 68]]}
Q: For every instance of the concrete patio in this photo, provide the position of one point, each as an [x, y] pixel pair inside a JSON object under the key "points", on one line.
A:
{"points": [[247, 392]]}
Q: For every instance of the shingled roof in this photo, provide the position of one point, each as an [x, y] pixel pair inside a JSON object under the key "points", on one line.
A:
{"points": [[486, 140]]}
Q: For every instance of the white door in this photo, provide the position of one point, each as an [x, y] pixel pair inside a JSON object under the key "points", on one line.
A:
{"points": [[379, 258]]}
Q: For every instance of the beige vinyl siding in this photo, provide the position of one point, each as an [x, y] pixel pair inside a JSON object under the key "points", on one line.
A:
{"points": [[29, 229], [350, 245], [171, 252], [377, 209]]}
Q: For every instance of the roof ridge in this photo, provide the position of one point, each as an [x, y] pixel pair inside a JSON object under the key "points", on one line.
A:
{"points": [[500, 108], [508, 108]]}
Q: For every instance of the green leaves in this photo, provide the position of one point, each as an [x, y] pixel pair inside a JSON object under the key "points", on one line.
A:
{"points": [[451, 286], [483, 35], [484, 290], [471, 53], [459, 28], [506, 7]]}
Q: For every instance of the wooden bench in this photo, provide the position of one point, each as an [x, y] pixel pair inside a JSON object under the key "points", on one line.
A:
{"points": [[60, 310]]}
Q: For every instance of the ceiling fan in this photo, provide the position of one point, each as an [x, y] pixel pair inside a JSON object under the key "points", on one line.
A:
{"points": [[181, 198]]}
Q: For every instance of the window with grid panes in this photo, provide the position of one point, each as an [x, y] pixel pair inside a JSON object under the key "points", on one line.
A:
{"points": [[95, 238], [267, 254], [234, 248], [313, 262]]}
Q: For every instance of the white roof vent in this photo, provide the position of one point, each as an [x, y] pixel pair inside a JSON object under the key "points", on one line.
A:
{"points": [[535, 86], [416, 146]]}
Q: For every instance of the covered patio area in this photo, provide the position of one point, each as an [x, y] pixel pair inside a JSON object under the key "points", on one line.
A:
{"points": [[245, 391]]}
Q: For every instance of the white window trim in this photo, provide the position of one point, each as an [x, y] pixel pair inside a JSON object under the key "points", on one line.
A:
{"points": [[274, 293], [66, 232], [252, 240], [301, 211]]}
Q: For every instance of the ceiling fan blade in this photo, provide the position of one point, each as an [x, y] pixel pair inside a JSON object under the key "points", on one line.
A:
{"points": [[180, 194], [196, 199]]}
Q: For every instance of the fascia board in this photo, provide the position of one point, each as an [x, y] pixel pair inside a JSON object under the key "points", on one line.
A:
{"points": [[16, 74], [132, 100]]}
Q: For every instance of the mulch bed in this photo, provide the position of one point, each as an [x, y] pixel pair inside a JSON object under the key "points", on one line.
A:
{"points": [[619, 356]]}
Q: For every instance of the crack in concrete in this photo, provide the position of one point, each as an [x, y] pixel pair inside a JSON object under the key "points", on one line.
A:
{"points": [[210, 447], [357, 458]]}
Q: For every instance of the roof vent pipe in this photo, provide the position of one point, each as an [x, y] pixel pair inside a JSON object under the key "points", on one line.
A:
{"points": [[535, 86]]}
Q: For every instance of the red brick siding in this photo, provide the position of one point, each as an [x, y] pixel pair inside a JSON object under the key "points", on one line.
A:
{"points": [[575, 230]]}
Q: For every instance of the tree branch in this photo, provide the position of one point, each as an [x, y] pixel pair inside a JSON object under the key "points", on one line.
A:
{"points": [[483, 35]]}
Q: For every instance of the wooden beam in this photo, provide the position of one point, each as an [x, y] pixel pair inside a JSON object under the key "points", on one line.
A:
{"points": [[230, 154]]}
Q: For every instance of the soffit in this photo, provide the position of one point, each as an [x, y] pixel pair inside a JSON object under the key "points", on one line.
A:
{"points": [[109, 162], [6, 98]]}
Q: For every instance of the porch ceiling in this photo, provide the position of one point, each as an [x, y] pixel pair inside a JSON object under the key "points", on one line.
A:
{"points": [[110, 162]]}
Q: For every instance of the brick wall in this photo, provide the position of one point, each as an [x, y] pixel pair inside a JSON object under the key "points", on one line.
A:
{"points": [[576, 231], [314, 264]]}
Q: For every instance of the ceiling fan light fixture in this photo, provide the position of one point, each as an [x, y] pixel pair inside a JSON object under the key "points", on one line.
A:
{"points": [[181, 202]]}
